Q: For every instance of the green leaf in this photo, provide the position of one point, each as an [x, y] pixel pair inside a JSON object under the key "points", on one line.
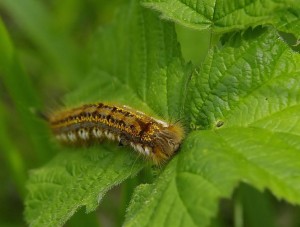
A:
{"points": [[247, 97], [136, 54], [252, 78], [76, 179], [137, 62], [289, 22], [187, 193], [221, 16]]}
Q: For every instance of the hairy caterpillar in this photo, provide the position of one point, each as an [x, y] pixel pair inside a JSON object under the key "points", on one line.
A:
{"points": [[153, 138]]}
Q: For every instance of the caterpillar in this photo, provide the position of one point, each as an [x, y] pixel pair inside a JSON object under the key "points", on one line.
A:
{"points": [[155, 139]]}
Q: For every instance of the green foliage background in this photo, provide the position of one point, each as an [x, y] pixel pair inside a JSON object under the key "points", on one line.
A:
{"points": [[229, 70]]}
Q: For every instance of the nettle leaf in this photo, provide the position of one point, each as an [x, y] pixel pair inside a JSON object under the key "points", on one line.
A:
{"points": [[247, 98], [251, 77], [289, 22], [221, 15], [73, 180], [138, 55], [137, 62]]}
